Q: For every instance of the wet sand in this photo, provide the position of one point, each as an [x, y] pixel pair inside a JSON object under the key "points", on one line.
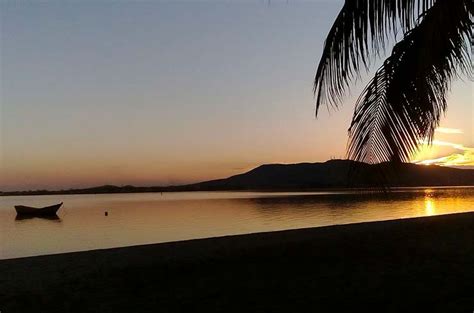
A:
{"points": [[422, 264]]}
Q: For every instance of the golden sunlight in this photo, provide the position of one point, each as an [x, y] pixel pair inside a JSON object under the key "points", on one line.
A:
{"points": [[430, 208], [425, 153], [434, 155]]}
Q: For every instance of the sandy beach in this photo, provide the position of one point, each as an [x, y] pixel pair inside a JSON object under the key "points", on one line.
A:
{"points": [[394, 266]]}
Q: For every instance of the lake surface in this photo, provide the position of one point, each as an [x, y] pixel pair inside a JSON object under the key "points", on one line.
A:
{"points": [[135, 219]]}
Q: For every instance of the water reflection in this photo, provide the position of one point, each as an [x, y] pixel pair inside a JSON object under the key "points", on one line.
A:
{"points": [[430, 208], [150, 218], [54, 218]]}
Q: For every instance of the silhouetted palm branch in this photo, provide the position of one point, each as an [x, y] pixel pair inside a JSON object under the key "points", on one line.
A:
{"points": [[403, 103]]}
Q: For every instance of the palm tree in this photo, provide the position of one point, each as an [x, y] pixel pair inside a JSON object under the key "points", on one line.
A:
{"points": [[403, 103]]}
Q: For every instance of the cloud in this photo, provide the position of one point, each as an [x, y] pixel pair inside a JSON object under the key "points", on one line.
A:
{"points": [[456, 146], [456, 159], [464, 156], [446, 130]]}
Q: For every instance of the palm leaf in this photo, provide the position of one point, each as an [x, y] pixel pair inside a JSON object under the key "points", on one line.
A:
{"points": [[360, 31], [403, 103]]}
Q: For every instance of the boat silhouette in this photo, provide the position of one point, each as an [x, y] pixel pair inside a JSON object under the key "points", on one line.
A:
{"points": [[23, 210]]}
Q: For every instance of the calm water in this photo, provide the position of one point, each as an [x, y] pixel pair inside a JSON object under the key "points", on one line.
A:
{"points": [[150, 218]]}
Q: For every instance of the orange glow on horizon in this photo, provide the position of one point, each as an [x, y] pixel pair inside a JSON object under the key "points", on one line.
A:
{"points": [[444, 153]]}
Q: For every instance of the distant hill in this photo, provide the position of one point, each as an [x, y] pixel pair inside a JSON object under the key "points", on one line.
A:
{"points": [[330, 174], [341, 174]]}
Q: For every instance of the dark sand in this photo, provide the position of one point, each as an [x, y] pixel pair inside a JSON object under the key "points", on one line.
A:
{"points": [[422, 265]]}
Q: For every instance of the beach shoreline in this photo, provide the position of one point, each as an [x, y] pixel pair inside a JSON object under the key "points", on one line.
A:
{"points": [[395, 265]]}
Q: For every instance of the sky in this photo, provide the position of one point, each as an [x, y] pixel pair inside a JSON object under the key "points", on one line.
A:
{"points": [[172, 92]]}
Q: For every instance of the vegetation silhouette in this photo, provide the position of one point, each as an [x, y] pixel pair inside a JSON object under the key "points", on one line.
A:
{"points": [[403, 103], [333, 174]]}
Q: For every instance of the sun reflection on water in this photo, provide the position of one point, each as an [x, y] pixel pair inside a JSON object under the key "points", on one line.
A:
{"points": [[430, 208], [137, 219]]}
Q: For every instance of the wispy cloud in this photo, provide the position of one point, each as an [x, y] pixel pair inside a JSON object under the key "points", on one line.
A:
{"points": [[457, 159], [456, 146], [446, 130], [464, 156]]}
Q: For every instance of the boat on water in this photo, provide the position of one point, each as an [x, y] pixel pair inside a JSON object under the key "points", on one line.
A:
{"points": [[32, 211]]}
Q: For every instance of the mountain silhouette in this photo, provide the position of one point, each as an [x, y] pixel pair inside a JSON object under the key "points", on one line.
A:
{"points": [[329, 174], [341, 174]]}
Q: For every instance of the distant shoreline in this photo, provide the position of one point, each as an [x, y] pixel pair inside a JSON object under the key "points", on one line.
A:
{"points": [[397, 264], [361, 189], [330, 175]]}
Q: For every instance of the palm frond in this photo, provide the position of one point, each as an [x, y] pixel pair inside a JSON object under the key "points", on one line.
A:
{"points": [[360, 31], [404, 102]]}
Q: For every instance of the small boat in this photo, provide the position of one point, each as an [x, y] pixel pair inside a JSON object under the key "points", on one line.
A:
{"points": [[32, 211]]}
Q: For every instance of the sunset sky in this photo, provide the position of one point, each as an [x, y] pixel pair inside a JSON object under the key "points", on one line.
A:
{"points": [[170, 92]]}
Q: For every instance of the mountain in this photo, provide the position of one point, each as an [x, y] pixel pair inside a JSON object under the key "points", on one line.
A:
{"points": [[330, 174], [340, 174]]}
